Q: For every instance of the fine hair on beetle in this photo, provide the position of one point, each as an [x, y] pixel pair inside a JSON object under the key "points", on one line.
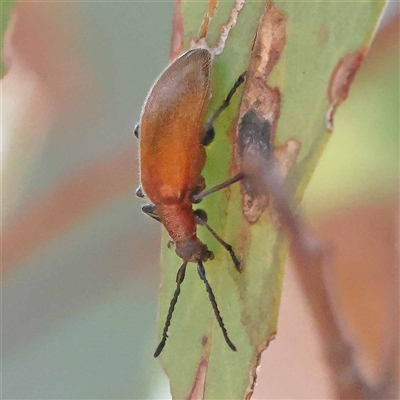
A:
{"points": [[172, 139]]}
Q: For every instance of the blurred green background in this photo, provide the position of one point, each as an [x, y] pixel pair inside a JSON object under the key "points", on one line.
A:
{"points": [[81, 264], [80, 261]]}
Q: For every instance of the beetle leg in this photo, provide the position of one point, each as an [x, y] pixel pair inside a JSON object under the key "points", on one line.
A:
{"points": [[150, 210], [201, 219], [197, 197], [139, 192], [209, 133], [136, 130]]}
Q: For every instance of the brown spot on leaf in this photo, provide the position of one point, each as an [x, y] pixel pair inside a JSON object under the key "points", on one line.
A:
{"points": [[254, 206], [208, 16], [341, 79], [226, 28], [254, 139], [286, 156], [258, 117], [177, 32], [204, 341], [201, 42], [199, 383], [270, 41]]}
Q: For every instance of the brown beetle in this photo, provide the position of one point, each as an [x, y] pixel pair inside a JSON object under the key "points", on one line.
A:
{"points": [[172, 156]]}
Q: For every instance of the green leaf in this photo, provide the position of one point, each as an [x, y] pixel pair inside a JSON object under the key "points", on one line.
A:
{"points": [[196, 358], [5, 9]]}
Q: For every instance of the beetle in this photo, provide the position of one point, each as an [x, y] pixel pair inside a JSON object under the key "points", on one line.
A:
{"points": [[172, 140]]}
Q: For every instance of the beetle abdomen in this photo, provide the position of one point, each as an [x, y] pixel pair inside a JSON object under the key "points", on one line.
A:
{"points": [[171, 152]]}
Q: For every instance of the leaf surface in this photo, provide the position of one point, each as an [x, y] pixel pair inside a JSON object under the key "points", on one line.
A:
{"points": [[319, 35]]}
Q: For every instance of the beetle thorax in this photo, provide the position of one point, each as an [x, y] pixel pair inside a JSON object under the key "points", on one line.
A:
{"points": [[180, 222]]}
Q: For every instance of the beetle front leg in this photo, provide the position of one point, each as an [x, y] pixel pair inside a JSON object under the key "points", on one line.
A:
{"points": [[201, 219]]}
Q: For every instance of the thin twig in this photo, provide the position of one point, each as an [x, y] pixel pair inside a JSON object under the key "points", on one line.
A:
{"points": [[312, 263]]}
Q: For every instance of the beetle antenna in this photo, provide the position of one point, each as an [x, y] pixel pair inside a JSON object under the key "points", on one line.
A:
{"points": [[202, 274], [180, 276]]}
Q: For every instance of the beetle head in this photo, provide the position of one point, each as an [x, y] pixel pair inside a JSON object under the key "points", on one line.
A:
{"points": [[193, 250]]}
